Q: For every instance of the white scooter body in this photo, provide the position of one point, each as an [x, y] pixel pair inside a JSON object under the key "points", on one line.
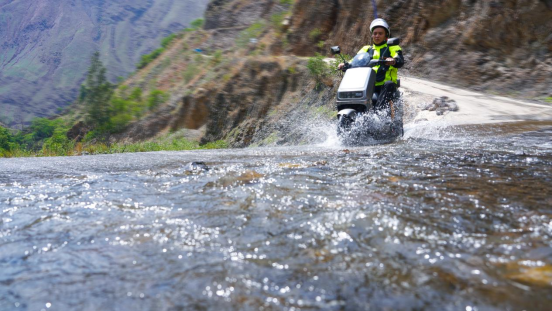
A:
{"points": [[356, 90]]}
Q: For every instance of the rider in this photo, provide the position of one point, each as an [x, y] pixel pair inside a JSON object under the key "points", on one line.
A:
{"points": [[386, 75]]}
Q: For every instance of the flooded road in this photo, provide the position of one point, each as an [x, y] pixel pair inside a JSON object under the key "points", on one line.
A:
{"points": [[461, 221]]}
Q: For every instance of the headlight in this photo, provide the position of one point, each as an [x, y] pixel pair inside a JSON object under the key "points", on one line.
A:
{"points": [[350, 95]]}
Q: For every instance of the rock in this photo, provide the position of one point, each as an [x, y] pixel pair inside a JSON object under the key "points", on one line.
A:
{"points": [[442, 105], [549, 41], [452, 105], [197, 166], [431, 106], [249, 177], [286, 24], [442, 111], [444, 101], [532, 276], [428, 106], [230, 180]]}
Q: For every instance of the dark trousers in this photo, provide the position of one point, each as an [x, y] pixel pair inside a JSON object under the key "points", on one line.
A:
{"points": [[386, 93]]}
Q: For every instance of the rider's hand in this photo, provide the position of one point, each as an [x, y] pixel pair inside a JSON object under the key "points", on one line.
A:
{"points": [[390, 61], [340, 66]]}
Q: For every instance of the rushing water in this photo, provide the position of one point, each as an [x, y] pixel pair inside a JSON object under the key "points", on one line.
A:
{"points": [[460, 221]]}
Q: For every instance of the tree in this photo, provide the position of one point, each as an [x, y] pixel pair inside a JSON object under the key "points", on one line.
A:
{"points": [[98, 92], [5, 140], [58, 143], [43, 128]]}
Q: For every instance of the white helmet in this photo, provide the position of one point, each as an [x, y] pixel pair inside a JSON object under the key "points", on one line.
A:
{"points": [[380, 22]]}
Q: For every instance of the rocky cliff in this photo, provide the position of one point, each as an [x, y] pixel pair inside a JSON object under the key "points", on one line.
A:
{"points": [[503, 46], [45, 46], [258, 91]]}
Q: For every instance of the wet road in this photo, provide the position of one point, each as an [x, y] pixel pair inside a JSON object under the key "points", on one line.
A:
{"points": [[461, 221]]}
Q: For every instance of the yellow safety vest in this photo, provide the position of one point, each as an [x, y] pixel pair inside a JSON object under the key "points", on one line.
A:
{"points": [[385, 73]]}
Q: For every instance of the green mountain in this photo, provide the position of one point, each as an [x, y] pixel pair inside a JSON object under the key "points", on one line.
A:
{"points": [[45, 46]]}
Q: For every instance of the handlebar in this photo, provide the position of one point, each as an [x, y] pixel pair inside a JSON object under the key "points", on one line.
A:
{"points": [[346, 66], [373, 63]]}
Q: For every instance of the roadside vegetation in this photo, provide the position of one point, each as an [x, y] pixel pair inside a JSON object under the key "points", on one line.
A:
{"points": [[49, 138], [323, 71]]}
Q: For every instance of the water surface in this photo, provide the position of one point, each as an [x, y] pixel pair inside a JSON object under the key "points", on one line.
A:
{"points": [[460, 221]]}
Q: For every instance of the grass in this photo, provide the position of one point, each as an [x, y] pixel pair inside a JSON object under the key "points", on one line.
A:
{"points": [[548, 99], [252, 32], [77, 149]]}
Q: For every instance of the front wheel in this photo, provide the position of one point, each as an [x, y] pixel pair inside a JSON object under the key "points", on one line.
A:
{"points": [[344, 123]]}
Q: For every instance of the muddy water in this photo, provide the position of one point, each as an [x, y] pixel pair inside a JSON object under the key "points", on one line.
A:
{"points": [[442, 220]]}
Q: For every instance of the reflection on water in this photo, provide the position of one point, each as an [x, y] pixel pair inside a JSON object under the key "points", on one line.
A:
{"points": [[445, 224]]}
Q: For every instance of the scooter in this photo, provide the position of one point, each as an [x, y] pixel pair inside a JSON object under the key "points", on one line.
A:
{"points": [[358, 122]]}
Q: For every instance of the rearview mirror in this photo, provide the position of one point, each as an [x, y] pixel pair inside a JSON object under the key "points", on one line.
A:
{"points": [[393, 41], [335, 50]]}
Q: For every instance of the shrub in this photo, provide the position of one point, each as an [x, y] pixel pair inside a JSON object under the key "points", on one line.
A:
{"points": [[197, 23], [25, 141], [190, 72], [292, 70], [317, 67], [277, 20], [168, 40], [156, 98], [334, 64], [314, 34], [253, 31], [136, 94], [217, 57], [90, 136], [58, 144], [148, 58], [120, 114]]}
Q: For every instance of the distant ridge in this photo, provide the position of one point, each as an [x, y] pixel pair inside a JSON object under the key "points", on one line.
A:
{"points": [[45, 46]]}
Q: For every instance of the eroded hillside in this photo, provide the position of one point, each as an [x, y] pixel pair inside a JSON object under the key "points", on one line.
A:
{"points": [[223, 80], [250, 76]]}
